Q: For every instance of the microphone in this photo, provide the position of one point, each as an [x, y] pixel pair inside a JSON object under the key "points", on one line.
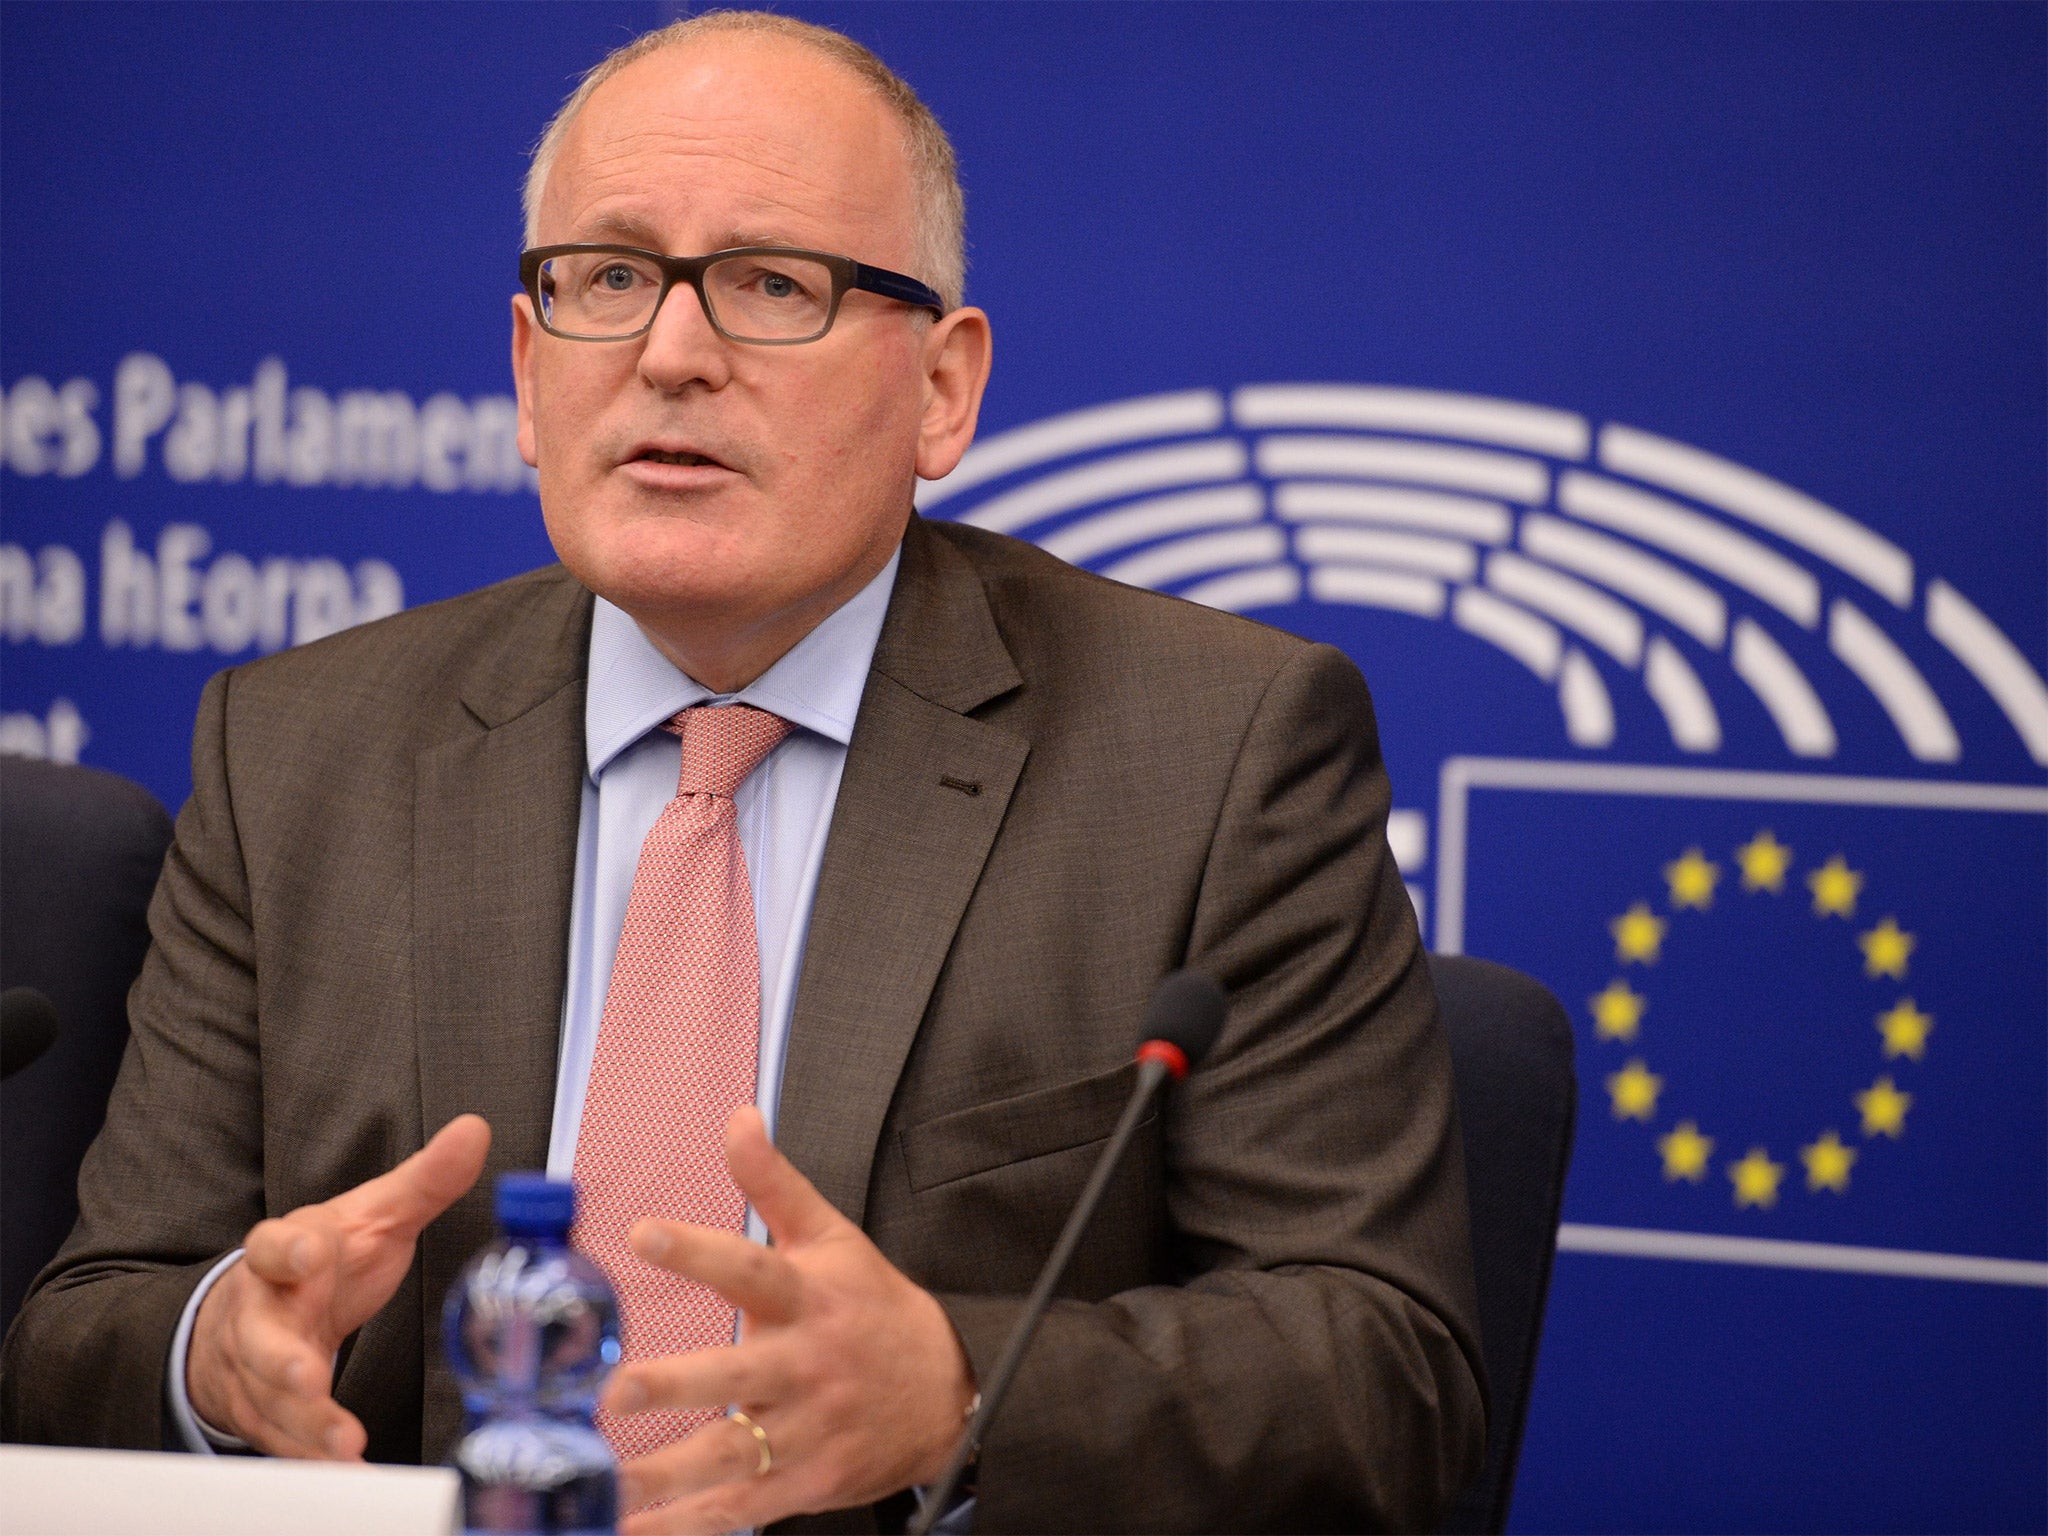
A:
{"points": [[28, 1024], [1181, 1023]]}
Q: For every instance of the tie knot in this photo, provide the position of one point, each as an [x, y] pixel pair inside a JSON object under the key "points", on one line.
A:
{"points": [[722, 745]]}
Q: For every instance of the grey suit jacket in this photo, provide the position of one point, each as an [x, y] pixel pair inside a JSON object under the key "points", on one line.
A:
{"points": [[1058, 789]]}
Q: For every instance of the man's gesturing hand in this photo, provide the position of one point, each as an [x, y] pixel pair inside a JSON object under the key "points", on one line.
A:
{"points": [[853, 1372], [261, 1361]]}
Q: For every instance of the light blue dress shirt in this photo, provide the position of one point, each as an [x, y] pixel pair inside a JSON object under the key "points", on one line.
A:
{"points": [[785, 810]]}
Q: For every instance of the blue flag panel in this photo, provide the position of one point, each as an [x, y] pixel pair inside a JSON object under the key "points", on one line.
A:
{"points": [[1797, 1018], [1707, 1397]]}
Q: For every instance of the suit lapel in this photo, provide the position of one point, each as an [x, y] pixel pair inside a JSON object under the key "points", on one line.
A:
{"points": [[495, 823], [923, 795], [494, 835]]}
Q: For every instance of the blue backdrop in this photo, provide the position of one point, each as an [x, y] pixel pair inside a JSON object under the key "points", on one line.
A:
{"points": [[1651, 399]]}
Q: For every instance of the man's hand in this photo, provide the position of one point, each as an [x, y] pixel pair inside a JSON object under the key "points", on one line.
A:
{"points": [[261, 1361], [854, 1373]]}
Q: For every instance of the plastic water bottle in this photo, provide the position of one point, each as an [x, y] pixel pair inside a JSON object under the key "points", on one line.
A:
{"points": [[532, 1330]]}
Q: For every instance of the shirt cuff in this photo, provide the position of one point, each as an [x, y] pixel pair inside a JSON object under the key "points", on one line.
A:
{"points": [[200, 1437], [957, 1521]]}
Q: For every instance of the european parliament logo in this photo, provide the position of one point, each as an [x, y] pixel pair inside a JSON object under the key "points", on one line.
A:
{"points": [[1812, 1003]]}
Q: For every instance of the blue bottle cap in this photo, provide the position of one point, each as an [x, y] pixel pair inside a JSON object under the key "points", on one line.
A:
{"points": [[533, 1205]]}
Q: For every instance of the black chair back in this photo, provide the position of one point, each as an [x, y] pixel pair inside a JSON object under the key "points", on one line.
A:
{"points": [[80, 851], [1511, 1053]]}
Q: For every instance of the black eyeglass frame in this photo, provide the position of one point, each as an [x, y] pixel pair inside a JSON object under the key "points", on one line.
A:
{"points": [[847, 274]]}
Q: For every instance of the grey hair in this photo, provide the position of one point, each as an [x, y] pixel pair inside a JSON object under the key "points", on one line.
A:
{"points": [[940, 235]]}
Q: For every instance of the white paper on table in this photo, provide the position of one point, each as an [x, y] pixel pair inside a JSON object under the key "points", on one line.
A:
{"points": [[49, 1491]]}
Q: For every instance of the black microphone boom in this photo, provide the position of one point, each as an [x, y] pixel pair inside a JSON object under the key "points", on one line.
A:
{"points": [[28, 1024], [1181, 1023]]}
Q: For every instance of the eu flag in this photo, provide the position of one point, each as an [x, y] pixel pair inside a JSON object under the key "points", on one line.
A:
{"points": [[1806, 1010]]}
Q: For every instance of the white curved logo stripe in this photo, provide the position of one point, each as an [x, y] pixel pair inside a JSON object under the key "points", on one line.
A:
{"points": [[1775, 678], [1732, 556], [1484, 522], [1693, 607], [1148, 469], [1433, 413], [1201, 554], [1688, 712], [1384, 458], [1265, 586], [1588, 710], [1665, 590], [1869, 652], [1982, 646], [1449, 558], [1059, 437], [1534, 642], [1365, 586], [1153, 518], [1401, 500], [1792, 515], [1573, 603]]}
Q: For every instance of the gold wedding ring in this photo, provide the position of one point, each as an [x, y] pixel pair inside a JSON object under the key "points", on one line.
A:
{"points": [[767, 1463]]}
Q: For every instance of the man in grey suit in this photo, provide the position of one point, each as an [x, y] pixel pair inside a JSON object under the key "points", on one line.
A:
{"points": [[372, 968]]}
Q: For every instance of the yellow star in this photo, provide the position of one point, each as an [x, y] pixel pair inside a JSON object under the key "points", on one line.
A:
{"points": [[1685, 1152], [1692, 877], [1905, 1030], [1617, 1012], [1885, 950], [1883, 1109], [1764, 861], [1828, 1163], [1638, 935], [1835, 887], [1634, 1090], [1756, 1179]]}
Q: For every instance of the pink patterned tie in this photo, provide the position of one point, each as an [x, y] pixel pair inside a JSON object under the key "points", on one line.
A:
{"points": [[676, 1054]]}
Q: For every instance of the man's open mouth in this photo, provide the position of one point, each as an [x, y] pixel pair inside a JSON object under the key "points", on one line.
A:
{"points": [[663, 456]]}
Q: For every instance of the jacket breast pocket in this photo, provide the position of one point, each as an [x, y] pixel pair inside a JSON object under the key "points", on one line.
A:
{"points": [[987, 1136]]}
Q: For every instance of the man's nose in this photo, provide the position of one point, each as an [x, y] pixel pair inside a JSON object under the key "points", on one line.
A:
{"points": [[683, 347]]}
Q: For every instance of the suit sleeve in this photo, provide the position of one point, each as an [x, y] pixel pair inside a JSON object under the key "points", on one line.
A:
{"points": [[1318, 1365], [175, 1177]]}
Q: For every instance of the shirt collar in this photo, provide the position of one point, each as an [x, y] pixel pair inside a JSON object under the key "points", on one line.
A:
{"points": [[817, 685]]}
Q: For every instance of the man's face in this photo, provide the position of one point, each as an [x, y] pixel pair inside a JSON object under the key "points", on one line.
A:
{"points": [[798, 462]]}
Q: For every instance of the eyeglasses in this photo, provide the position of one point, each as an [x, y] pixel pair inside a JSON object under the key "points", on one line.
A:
{"points": [[763, 295]]}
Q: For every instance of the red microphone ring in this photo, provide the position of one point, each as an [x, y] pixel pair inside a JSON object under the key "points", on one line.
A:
{"points": [[1168, 1055]]}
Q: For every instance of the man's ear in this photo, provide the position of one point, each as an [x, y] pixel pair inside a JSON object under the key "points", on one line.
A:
{"points": [[957, 352], [523, 332]]}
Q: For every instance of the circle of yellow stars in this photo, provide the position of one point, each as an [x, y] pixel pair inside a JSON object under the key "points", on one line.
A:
{"points": [[1692, 881]]}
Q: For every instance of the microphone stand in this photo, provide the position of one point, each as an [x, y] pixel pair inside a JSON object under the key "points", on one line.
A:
{"points": [[1153, 1070]]}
